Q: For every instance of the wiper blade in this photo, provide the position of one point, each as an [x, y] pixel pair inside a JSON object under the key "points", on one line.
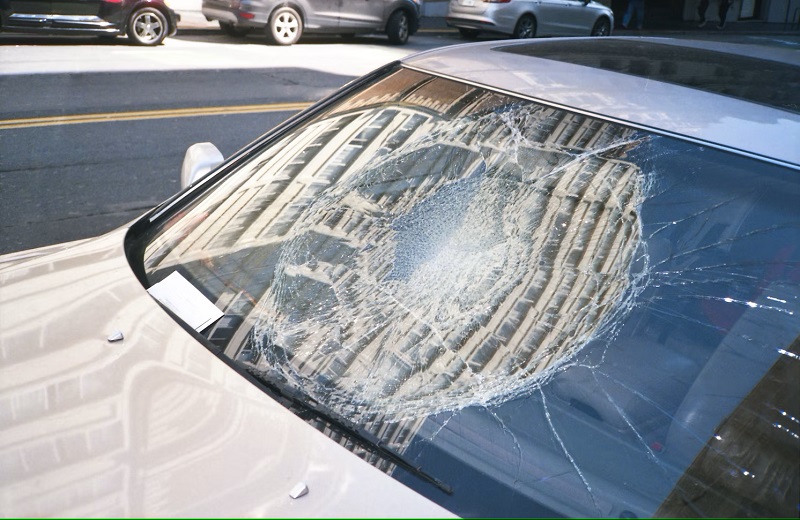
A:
{"points": [[290, 397]]}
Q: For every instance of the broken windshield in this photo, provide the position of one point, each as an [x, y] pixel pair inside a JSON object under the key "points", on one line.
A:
{"points": [[552, 313]]}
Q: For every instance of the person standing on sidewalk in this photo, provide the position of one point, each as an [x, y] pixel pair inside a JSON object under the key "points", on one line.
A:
{"points": [[635, 9], [724, 5]]}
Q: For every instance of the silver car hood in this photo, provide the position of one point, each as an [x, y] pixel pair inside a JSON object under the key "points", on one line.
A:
{"points": [[155, 424]]}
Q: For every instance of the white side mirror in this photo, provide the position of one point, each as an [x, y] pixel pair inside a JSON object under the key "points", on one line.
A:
{"points": [[200, 159]]}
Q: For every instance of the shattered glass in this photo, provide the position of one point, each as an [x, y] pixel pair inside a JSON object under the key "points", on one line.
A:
{"points": [[553, 314]]}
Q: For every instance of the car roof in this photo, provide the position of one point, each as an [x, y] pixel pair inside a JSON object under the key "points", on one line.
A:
{"points": [[744, 98]]}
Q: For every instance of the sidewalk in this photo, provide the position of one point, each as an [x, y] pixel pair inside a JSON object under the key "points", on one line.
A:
{"points": [[686, 27]]}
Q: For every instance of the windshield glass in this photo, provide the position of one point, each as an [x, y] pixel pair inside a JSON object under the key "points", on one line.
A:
{"points": [[550, 313]]}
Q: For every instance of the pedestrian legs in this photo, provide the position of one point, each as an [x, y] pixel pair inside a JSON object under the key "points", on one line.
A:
{"points": [[635, 9], [702, 7], [724, 5]]}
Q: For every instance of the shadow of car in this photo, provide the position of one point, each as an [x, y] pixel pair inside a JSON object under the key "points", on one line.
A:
{"points": [[145, 22]]}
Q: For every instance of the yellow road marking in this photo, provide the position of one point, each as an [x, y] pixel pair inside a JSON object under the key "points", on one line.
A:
{"points": [[149, 114]]}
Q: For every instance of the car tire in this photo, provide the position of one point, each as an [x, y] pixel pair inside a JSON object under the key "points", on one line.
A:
{"points": [[469, 34], [147, 26], [285, 26], [233, 30], [398, 28], [525, 28], [602, 27]]}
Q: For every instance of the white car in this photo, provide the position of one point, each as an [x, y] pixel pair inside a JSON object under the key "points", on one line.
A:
{"points": [[536, 278], [530, 18]]}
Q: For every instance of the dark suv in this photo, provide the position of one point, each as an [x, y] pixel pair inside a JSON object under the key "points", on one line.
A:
{"points": [[146, 22], [284, 23]]}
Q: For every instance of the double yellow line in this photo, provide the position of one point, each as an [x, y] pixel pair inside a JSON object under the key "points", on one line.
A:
{"points": [[138, 115]]}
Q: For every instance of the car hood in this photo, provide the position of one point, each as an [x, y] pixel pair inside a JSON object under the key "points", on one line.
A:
{"points": [[154, 424]]}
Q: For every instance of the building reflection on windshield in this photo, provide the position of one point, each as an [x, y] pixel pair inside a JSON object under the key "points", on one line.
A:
{"points": [[515, 291]]}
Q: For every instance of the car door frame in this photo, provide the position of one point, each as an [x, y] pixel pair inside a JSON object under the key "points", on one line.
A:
{"points": [[362, 14]]}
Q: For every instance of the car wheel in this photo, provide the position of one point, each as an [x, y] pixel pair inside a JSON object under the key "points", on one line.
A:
{"points": [[398, 28], [526, 27], [232, 30], [602, 27], [285, 26], [147, 26], [469, 34]]}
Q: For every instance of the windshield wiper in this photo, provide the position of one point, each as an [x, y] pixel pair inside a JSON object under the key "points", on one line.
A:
{"points": [[292, 398]]}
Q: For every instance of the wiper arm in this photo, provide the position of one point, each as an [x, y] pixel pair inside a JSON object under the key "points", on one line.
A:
{"points": [[290, 397]]}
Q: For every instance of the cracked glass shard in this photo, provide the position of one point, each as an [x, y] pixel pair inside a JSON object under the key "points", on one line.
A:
{"points": [[418, 285], [573, 316]]}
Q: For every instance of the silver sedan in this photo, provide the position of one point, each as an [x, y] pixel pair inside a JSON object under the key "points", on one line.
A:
{"points": [[527, 19]]}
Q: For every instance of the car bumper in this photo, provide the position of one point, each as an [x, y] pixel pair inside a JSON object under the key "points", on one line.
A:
{"points": [[174, 18], [234, 17], [479, 23]]}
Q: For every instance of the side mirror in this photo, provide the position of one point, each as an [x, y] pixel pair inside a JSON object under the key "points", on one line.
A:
{"points": [[200, 159]]}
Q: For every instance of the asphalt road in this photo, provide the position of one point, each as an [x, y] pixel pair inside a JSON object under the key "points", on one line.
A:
{"points": [[92, 134], [62, 182]]}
